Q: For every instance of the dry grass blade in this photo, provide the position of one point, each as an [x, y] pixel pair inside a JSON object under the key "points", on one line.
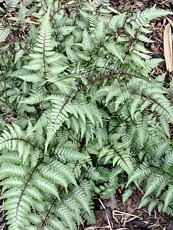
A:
{"points": [[142, 55], [109, 222], [168, 48], [112, 10], [125, 217], [170, 21]]}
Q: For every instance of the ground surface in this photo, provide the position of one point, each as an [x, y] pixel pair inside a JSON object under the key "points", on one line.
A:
{"points": [[113, 214]]}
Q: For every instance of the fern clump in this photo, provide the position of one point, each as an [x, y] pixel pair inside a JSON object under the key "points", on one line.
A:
{"points": [[83, 114]]}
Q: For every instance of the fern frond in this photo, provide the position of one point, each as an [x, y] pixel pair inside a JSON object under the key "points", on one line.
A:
{"points": [[116, 50], [143, 18], [35, 99], [72, 204], [63, 169], [11, 182], [152, 205], [34, 193], [87, 41], [140, 172], [127, 194], [12, 170], [45, 185], [68, 155], [53, 176], [117, 22], [92, 173], [124, 161], [168, 196], [153, 183], [66, 215], [168, 161], [100, 30], [79, 112], [4, 32], [56, 224], [80, 196], [10, 4]]}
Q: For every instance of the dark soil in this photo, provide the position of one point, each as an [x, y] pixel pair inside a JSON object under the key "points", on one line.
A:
{"points": [[113, 214]]}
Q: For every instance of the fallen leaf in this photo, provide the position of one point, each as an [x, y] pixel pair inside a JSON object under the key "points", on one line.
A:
{"points": [[112, 204], [168, 48], [129, 203]]}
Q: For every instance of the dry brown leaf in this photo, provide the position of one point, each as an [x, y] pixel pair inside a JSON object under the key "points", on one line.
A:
{"points": [[168, 48], [129, 204]]}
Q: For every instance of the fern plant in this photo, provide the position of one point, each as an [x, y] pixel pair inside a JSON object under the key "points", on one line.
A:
{"points": [[84, 114]]}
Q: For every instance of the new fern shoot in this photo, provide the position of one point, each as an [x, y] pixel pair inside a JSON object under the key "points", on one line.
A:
{"points": [[87, 113]]}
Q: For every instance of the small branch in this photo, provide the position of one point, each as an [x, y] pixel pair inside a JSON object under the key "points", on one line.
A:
{"points": [[119, 213], [109, 222]]}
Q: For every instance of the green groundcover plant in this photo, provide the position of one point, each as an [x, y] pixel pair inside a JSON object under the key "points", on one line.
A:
{"points": [[80, 114]]}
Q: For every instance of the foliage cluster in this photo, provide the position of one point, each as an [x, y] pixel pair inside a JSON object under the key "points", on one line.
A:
{"points": [[80, 114]]}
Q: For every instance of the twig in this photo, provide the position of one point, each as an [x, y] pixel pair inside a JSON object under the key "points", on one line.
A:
{"points": [[119, 213], [102, 203], [109, 222], [125, 216], [126, 220], [129, 220]]}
